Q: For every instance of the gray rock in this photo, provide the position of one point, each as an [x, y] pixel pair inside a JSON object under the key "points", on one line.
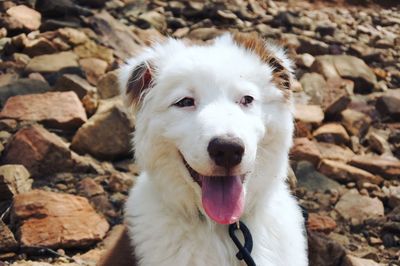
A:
{"points": [[314, 85], [323, 251], [312, 180], [22, 87]]}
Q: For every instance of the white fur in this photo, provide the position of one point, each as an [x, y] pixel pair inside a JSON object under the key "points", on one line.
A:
{"points": [[167, 223]]}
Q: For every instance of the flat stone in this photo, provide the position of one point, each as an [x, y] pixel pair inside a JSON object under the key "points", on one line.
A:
{"points": [[387, 167], [311, 46], [52, 63], [304, 149], [21, 87], [320, 223], [91, 49], [106, 135], [379, 143], [334, 152], [347, 67], [346, 173], [108, 85], [333, 133], [94, 69], [312, 180], [61, 110], [14, 179], [304, 60], [70, 82], [350, 260], [115, 34], [57, 220], [204, 34], [314, 85], [7, 239], [153, 19], [355, 122], [73, 36], [336, 96], [28, 17], [41, 152], [38, 47], [389, 106], [312, 114], [352, 205], [394, 196]]}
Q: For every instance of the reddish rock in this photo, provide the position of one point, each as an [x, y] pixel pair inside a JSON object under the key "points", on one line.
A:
{"points": [[346, 173], [386, 167], [312, 114], [336, 96], [333, 133], [56, 220], [40, 151], [28, 17], [52, 62], [54, 109], [304, 149], [320, 223], [352, 205]]}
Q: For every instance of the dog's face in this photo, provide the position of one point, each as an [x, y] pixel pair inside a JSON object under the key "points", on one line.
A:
{"points": [[208, 111]]}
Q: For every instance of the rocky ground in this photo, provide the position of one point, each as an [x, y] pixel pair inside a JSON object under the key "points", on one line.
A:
{"points": [[64, 136]]}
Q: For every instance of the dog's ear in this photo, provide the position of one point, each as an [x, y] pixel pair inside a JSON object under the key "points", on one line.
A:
{"points": [[271, 55], [135, 81]]}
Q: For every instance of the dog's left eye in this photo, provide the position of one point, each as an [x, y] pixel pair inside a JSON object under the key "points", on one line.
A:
{"points": [[246, 100], [185, 102]]}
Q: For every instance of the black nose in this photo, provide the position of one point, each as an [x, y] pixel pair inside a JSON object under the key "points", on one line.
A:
{"points": [[226, 152]]}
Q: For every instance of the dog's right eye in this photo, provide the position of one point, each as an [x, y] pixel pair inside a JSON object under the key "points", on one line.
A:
{"points": [[185, 102]]}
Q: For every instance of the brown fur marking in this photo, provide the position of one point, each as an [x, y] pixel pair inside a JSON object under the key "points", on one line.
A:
{"points": [[281, 75]]}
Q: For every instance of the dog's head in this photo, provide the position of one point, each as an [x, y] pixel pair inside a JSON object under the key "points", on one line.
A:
{"points": [[212, 118]]}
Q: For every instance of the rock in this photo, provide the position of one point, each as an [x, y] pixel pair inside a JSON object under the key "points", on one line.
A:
{"points": [[41, 152], [336, 96], [346, 173], [26, 16], [394, 196], [121, 182], [14, 179], [311, 46], [73, 36], [204, 34], [379, 143], [38, 47], [21, 87], [7, 239], [312, 180], [153, 19], [52, 63], [323, 251], [88, 188], [334, 152], [352, 205], [311, 114], [355, 122], [304, 149], [305, 60], [93, 3], [94, 68], [314, 85], [320, 223], [387, 167], [61, 110], [105, 136], [70, 82], [90, 49], [347, 67], [56, 220], [114, 34], [108, 85], [389, 107], [333, 133], [350, 260]]}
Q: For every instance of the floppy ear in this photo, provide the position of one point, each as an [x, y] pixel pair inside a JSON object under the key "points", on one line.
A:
{"points": [[271, 55], [135, 81]]}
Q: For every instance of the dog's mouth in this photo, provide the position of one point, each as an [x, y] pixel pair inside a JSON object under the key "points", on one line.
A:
{"points": [[222, 196]]}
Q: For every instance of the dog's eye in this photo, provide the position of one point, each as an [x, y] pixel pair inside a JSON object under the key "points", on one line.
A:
{"points": [[185, 102], [246, 100]]}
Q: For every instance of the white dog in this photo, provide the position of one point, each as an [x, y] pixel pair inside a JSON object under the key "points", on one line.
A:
{"points": [[213, 129]]}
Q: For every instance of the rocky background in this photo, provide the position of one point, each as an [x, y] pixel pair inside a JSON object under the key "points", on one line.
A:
{"points": [[66, 165]]}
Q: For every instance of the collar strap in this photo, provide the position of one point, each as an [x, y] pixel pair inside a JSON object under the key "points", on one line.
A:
{"points": [[244, 252]]}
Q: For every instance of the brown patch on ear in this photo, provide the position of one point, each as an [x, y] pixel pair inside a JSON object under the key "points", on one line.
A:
{"points": [[140, 80], [281, 75]]}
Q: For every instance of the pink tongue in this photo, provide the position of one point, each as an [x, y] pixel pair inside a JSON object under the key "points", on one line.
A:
{"points": [[223, 198]]}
